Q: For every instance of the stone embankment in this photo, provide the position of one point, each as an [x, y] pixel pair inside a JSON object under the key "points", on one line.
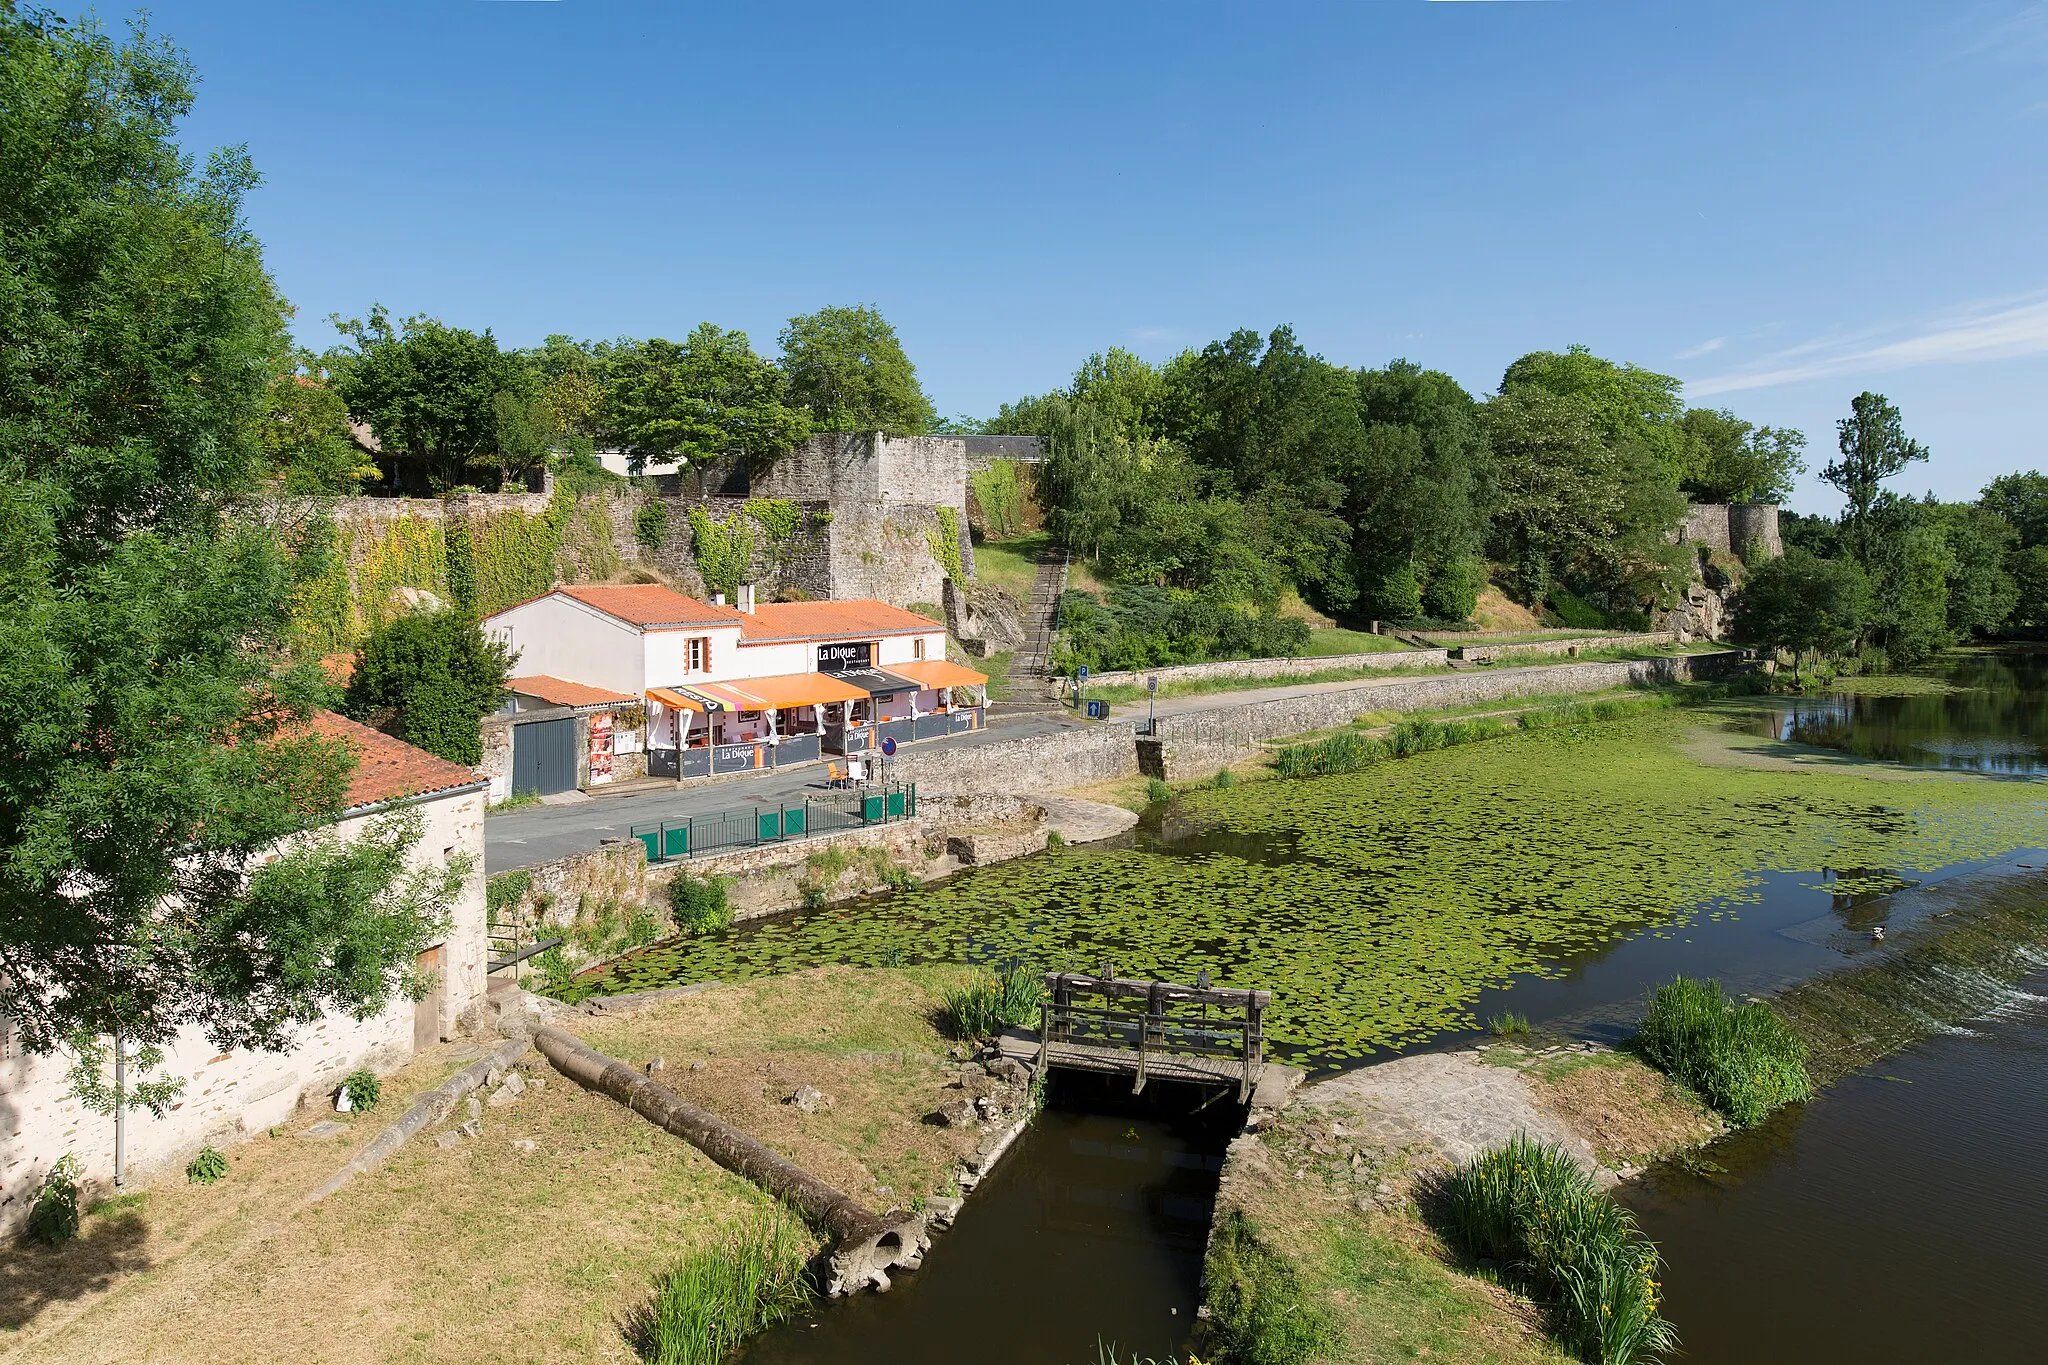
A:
{"points": [[1298, 667]]}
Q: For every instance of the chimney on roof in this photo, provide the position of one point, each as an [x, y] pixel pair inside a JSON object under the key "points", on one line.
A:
{"points": [[718, 599], [746, 602]]}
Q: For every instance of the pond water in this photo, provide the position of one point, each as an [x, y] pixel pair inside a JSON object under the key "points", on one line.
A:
{"points": [[1090, 1230], [1980, 712], [1897, 1219]]}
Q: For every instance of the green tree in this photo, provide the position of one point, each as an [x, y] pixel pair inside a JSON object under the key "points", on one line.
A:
{"points": [[304, 435], [1874, 447], [431, 393], [1625, 403], [156, 747], [430, 677], [1421, 492], [1981, 592], [2021, 501], [848, 367], [1802, 603], [1729, 460], [1577, 506], [709, 399]]}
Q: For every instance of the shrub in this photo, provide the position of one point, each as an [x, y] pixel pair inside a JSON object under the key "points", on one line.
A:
{"points": [[722, 1294], [553, 966], [1344, 752], [363, 1090], [1531, 1208], [1454, 589], [1157, 793], [1055, 840], [207, 1166], [54, 1219], [991, 1002], [1508, 1024], [1742, 1059], [436, 676], [1256, 1304], [699, 904], [1225, 779], [650, 524], [504, 891]]}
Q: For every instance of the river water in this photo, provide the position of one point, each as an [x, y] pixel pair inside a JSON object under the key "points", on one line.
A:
{"points": [[1562, 877]]}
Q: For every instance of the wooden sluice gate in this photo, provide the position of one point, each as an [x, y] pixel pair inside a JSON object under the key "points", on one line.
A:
{"points": [[1154, 1030]]}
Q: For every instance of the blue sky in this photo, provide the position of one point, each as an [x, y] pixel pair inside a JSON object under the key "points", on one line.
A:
{"points": [[1782, 201]]}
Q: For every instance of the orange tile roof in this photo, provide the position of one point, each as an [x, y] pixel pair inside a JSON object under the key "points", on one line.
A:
{"points": [[853, 619], [388, 769], [562, 692], [648, 605]]}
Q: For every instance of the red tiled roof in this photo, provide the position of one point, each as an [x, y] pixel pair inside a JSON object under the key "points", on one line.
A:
{"points": [[853, 619], [388, 769], [564, 693], [649, 605]]}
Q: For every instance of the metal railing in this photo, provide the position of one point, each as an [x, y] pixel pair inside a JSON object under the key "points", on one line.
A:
{"points": [[720, 831]]}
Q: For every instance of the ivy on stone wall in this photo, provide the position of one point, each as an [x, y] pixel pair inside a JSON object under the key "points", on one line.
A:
{"points": [[945, 544], [777, 516], [589, 554], [724, 550], [358, 590], [515, 553], [999, 493], [461, 565]]}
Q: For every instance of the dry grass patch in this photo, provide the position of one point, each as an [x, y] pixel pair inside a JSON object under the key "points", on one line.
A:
{"points": [[865, 1038], [1632, 1114], [483, 1251]]}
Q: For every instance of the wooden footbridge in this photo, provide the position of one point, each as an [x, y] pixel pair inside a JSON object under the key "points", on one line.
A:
{"points": [[1152, 1030]]}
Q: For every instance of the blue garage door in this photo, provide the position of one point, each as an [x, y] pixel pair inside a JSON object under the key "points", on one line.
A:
{"points": [[544, 757]]}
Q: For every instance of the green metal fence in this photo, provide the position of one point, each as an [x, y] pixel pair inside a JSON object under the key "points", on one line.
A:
{"points": [[752, 826]]}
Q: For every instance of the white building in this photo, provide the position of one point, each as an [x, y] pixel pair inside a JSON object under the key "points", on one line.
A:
{"points": [[753, 685], [237, 1094]]}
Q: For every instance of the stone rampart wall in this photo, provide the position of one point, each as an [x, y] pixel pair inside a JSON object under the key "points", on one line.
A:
{"points": [[1729, 526], [1196, 744], [1255, 668]]}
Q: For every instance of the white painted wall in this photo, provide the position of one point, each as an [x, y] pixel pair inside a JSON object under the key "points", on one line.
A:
{"points": [[233, 1095], [668, 657], [563, 638], [902, 649]]}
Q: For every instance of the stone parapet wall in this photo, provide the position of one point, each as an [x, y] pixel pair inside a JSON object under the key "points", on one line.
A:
{"points": [[1255, 668], [1475, 647], [1196, 744], [1034, 763]]}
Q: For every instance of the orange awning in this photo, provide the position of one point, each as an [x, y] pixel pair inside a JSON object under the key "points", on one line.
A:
{"points": [[939, 673], [758, 694], [675, 701]]}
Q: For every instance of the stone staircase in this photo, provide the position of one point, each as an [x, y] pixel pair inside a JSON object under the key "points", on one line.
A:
{"points": [[1028, 666]]}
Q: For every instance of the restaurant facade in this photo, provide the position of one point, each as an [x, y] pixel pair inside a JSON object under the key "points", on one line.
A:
{"points": [[750, 686]]}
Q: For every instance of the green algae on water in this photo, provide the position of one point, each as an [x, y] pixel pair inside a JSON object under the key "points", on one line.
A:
{"points": [[1378, 905]]}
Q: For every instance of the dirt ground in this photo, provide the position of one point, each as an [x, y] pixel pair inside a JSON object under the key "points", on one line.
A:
{"points": [[484, 1251], [1632, 1114]]}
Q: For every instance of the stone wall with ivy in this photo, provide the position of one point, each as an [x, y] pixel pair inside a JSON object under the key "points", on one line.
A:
{"points": [[785, 544]]}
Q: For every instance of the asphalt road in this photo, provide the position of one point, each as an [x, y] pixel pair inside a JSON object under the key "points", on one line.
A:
{"points": [[539, 834]]}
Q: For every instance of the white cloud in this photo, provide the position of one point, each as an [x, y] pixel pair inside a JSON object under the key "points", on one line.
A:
{"points": [[2002, 330], [1707, 347]]}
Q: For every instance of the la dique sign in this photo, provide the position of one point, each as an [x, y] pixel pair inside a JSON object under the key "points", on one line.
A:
{"points": [[844, 657]]}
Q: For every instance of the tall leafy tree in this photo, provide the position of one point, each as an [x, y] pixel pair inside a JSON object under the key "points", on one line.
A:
{"points": [[1802, 603], [303, 430], [1625, 403], [1578, 504], [848, 367], [443, 401], [2021, 501], [1874, 447], [1420, 496], [1729, 460], [707, 399], [156, 747]]}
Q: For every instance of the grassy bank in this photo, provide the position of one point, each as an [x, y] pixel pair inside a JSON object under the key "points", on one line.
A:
{"points": [[488, 1251]]}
